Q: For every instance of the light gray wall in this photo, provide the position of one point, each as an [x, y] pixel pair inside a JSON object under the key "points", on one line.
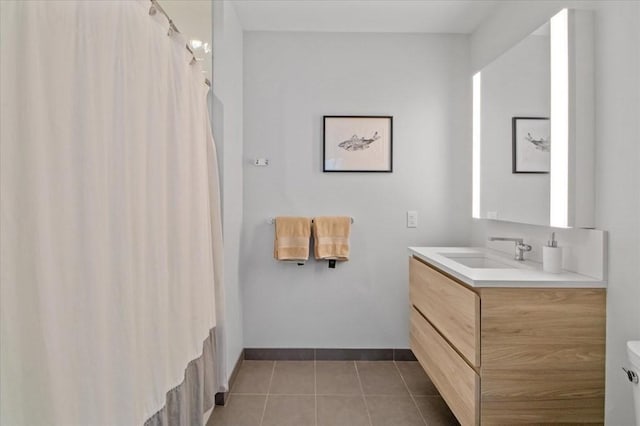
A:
{"points": [[291, 80], [227, 125], [514, 85], [617, 158]]}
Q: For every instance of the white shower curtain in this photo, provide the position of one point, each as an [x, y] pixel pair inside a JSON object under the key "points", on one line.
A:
{"points": [[109, 217]]}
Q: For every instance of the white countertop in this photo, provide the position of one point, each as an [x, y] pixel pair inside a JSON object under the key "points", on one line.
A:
{"points": [[522, 273]]}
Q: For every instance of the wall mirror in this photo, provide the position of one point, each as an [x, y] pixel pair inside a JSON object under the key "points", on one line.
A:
{"points": [[533, 142]]}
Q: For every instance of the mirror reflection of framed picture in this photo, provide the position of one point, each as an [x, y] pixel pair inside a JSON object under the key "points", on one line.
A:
{"points": [[358, 143], [531, 144]]}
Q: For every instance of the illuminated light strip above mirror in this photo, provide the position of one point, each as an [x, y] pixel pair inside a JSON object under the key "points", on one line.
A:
{"points": [[559, 175], [477, 79]]}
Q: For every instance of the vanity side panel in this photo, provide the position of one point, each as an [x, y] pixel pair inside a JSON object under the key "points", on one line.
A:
{"points": [[543, 354], [452, 308]]}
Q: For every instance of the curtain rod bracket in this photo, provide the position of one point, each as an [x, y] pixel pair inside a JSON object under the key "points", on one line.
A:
{"points": [[153, 9]]}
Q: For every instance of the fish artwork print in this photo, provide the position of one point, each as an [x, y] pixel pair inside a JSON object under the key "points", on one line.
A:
{"points": [[540, 144], [358, 143]]}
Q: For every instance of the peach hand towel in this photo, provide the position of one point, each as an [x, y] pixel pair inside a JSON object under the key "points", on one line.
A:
{"points": [[331, 235], [292, 238]]}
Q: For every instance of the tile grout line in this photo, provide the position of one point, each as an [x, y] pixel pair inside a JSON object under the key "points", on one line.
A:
{"points": [[266, 399], [366, 406], [410, 393], [315, 385]]}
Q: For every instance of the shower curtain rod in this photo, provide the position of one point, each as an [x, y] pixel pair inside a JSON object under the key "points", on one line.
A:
{"points": [[155, 6]]}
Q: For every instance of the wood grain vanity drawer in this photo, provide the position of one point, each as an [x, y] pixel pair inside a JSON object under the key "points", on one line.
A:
{"points": [[457, 382], [452, 309]]}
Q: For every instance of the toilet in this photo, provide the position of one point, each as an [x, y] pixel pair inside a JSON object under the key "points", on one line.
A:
{"points": [[633, 350]]}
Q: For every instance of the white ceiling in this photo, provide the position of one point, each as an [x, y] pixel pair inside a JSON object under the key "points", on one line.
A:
{"points": [[404, 16]]}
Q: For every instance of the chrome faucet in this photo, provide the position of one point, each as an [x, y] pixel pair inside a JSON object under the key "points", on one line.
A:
{"points": [[521, 247]]}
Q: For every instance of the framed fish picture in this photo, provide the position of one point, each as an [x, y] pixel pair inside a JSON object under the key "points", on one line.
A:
{"points": [[357, 143], [531, 145]]}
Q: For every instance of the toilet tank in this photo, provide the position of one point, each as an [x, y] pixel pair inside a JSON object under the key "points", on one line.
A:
{"points": [[633, 350]]}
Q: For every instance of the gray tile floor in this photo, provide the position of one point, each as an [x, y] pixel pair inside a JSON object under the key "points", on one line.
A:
{"points": [[332, 393]]}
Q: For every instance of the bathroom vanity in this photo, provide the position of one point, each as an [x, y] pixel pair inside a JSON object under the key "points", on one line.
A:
{"points": [[505, 342]]}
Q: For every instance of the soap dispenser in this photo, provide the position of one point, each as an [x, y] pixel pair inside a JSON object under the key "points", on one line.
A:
{"points": [[552, 256]]}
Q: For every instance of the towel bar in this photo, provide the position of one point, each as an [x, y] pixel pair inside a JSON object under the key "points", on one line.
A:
{"points": [[272, 220]]}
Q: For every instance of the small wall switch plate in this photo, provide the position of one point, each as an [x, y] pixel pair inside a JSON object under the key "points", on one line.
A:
{"points": [[492, 215], [412, 219], [261, 162]]}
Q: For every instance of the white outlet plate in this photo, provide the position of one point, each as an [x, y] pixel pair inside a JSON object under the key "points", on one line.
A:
{"points": [[412, 219], [261, 162]]}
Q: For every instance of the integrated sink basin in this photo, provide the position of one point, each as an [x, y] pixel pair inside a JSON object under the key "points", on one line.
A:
{"points": [[482, 260], [484, 267]]}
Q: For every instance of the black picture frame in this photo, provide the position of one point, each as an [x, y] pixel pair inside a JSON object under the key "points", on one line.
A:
{"points": [[332, 144], [517, 166]]}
